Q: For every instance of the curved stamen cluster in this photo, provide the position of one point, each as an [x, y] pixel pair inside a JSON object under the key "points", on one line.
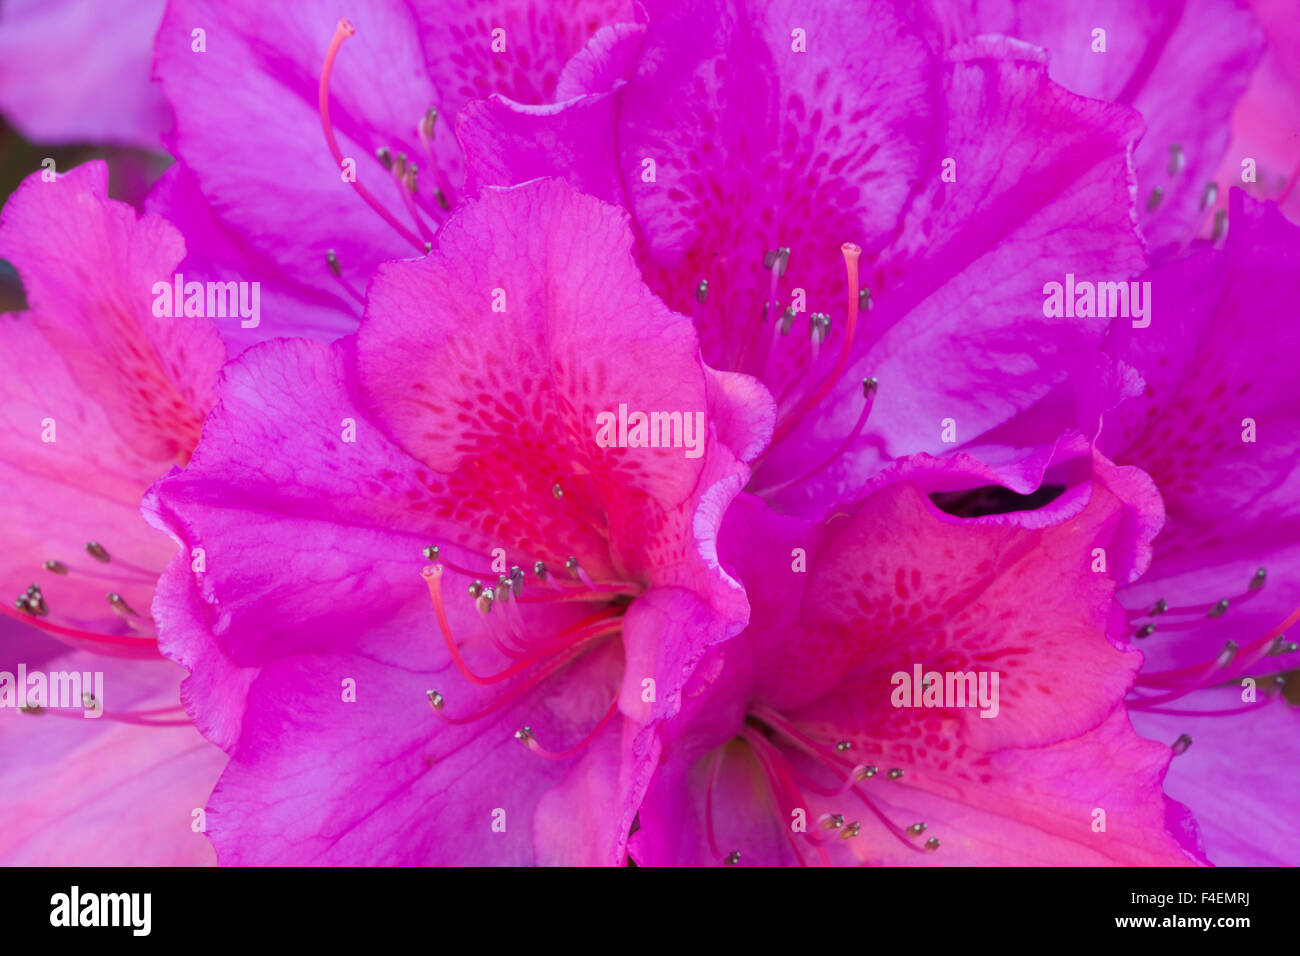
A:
{"points": [[532, 659], [1154, 690], [787, 785], [31, 606]]}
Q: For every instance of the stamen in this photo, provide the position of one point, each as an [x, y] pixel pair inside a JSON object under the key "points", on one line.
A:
{"points": [[851, 253], [715, 765], [530, 739], [341, 33], [94, 637], [571, 637], [1177, 159], [332, 260], [1220, 225], [404, 175], [869, 388], [813, 749]]}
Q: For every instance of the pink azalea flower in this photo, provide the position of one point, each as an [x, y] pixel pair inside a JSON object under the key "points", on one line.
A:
{"points": [[264, 157], [1200, 400], [101, 398], [750, 142], [460, 420], [802, 749], [1218, 428]]}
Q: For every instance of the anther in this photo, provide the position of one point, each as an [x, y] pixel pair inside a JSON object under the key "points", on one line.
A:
{"points": [[475, 588], [572, 565], [916, 829], [1209, 195], [842, 745], [1281, 647], [866, 773], [504, 587], [332, 260], [525, 735], [733, 858], [1159, 607], [852, 830], [819, 325], [1219, 609], [56, 567], [1256, 582], [1153, 201], [557, 491], [787, 320], [1180, 745], [33, 602], [833, 821], [484, 601], [385, 156], [539, 570], [779, 257], [1220, 225], [427, 122], [932, 844], [441, 199], [1146, 630], [894, 774], [1177, 159], [864, 300], [431, 552], [702, 291], [97, 551], [435, 699], [120, 605], [517, 580], [869, 387]]}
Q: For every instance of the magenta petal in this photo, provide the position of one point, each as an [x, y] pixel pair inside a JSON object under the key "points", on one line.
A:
{"points": [[99, 792], [564, 332], [215, 252], [1183, 66], [1237, 777], [77, 71], [317, 780]]}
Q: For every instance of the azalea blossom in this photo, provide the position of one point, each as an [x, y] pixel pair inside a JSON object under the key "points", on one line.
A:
{"points": [[804, 750], [102, 397], [962, 174], [425, 573]]}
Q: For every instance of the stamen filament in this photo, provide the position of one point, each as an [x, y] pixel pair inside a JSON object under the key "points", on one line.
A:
{"points": [[344, 30]]}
